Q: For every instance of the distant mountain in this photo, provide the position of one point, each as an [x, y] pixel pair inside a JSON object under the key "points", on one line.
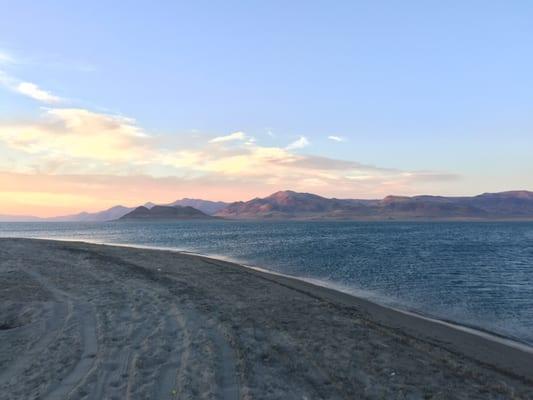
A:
{"points": [[106, 215], [19, 218], [206, 206], [293, 205], [114, 213], [164, 213], [513, 203], [288, 204]]}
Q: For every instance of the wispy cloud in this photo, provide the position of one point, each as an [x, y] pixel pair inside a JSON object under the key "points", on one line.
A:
{"points": [[229, 138], [72, 133], [24, 88], [6, 58], [32, 90], [28, 89], [300, 143], [337, 138]]}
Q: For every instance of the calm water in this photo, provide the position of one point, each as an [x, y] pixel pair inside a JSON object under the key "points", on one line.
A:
{"points": [[478, 274]]}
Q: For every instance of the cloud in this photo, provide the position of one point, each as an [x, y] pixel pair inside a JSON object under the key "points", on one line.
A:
{"points": [[72, 133], [298, 144], [336, 138], [326, 163], [428, 176], [33, 91], [229, 138], [28, 89], [6, 58]]}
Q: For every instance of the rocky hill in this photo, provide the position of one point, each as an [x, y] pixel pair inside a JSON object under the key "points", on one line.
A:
{"points": [[164, 213]]}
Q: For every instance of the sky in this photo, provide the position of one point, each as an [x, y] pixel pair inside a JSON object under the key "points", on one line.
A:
{"points": [[105, 103]]}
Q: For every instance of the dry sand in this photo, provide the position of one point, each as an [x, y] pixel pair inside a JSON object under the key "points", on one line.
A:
{"points": [[84, 321]]}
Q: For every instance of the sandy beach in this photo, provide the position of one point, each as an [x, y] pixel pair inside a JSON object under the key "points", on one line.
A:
{"points": [[86, 321]]}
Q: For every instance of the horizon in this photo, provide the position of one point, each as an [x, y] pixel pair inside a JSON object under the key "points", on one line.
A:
{"points": [[232, 102], [168, 203]]}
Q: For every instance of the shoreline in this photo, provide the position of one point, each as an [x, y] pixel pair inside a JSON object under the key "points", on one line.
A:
{"points": [[523, 219], [99, 320], [473, 330], [408, 321]]}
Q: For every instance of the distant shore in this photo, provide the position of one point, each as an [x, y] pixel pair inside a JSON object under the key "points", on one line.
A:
{"points": [[84, 320], [13, 220]]}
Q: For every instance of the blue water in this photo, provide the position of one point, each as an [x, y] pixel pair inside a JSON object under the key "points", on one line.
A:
{"points": [[477, 274]]}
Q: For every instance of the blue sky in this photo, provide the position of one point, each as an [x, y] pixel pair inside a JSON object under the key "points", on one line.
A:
{"points": [[438, 89]]}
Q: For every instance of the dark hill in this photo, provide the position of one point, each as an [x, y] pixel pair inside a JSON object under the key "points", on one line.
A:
{"points": [[165, 213]]}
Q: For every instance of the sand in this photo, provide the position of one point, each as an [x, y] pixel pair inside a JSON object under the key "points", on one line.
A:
{"points": [[85, 321]]}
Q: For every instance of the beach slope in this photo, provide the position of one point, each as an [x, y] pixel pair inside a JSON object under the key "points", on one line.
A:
{"points": [[85, 321]]}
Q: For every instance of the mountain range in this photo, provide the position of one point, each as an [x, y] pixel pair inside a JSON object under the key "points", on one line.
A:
{"points": [[293, 205], [206, 206]]}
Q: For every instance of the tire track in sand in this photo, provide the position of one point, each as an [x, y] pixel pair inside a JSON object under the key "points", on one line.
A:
{"points": [[84, 314]]}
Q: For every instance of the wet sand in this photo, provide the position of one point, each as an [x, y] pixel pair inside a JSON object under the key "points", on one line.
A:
{"points": [[85, 321]]}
